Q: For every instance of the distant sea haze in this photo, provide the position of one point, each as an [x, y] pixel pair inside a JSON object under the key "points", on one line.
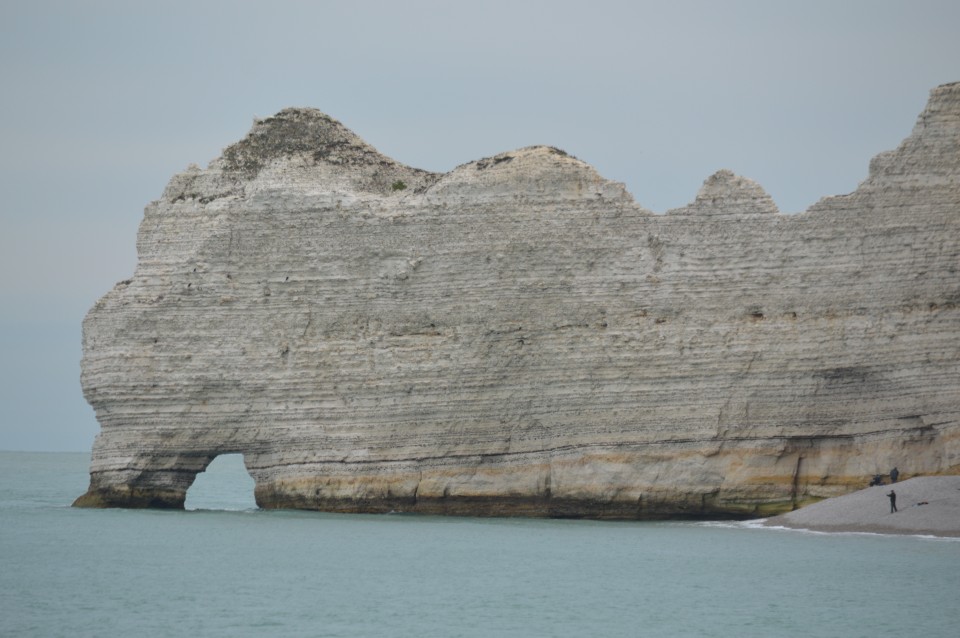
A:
{"points": [[228, 569]]}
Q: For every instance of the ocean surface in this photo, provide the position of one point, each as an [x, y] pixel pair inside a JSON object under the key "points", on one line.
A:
{"points": [[223, 568]]}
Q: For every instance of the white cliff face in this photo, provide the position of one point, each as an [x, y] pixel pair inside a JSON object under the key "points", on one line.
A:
{"points": [[518, 336]]}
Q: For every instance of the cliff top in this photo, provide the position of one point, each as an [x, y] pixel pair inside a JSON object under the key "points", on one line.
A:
{"points": [[309, 137], [300, 131]]}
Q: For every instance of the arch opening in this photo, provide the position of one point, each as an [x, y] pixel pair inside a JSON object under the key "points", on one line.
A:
{"points": [[224, 485]]}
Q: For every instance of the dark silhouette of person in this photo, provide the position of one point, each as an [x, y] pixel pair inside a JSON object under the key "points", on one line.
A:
{"points": [[893, 501], [894, 475]]}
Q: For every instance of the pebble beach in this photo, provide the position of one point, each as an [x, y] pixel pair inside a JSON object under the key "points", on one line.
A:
{"points": [[926, 505]]}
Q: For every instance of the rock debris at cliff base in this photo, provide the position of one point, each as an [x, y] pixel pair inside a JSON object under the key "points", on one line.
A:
{"points": [[519, 337]]}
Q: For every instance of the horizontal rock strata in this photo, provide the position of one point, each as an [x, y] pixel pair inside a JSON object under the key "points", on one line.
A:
{"points": [[519, 337]]}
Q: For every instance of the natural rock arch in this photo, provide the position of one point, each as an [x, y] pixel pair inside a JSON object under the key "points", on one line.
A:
{"points": [[519, 336]]}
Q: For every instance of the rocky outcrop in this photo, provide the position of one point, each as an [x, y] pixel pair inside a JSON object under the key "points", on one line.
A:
{"points": [[519, 337]]}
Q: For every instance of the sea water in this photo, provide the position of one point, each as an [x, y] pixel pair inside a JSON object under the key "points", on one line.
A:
{"points": [[223, 568]]}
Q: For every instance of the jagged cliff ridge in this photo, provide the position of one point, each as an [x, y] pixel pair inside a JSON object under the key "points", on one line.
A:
{"points": [[518, 336]]}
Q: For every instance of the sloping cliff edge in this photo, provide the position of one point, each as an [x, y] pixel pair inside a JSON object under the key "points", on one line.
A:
{"points": [[519, 337]]}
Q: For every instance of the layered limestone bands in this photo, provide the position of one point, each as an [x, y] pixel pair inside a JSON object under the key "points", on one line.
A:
{"points": [[519, 337]]}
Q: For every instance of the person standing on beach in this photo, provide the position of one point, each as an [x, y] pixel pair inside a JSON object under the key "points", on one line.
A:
{"points": [[893, 501], [894, 475]]}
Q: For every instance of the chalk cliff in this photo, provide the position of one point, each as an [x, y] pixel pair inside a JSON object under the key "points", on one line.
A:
{"points": [[519, 337]]}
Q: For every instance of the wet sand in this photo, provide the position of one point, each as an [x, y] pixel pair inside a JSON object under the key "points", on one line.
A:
{"points": [[927, 505]]}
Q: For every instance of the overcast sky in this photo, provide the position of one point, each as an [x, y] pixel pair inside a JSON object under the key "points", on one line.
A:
{"points": [[102, 102]]}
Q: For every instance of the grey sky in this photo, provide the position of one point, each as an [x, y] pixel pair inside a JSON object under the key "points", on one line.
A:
{"points": [[104, 101]]}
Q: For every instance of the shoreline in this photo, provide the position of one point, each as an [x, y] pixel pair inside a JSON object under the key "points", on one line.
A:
{"points": [[926, 506]]}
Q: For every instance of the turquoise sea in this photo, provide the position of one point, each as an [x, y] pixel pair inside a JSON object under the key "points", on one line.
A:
{"points": [[223, 568]]}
